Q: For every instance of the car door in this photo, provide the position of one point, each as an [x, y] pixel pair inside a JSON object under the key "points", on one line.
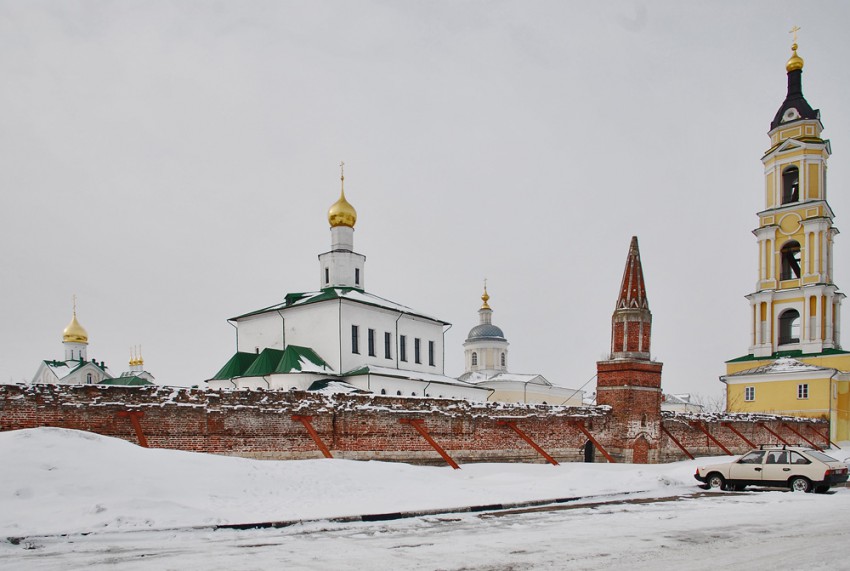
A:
{"points": [[748, 469], [777, 467]]}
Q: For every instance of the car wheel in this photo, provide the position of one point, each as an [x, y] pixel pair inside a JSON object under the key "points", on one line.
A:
{"points": [[821, 489], [716, 482], [799, 485]]}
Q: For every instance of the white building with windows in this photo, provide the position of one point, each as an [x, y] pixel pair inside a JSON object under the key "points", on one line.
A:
{"points": [[342, 333], [486, 356]]}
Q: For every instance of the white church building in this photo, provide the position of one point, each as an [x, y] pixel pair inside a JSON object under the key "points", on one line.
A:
{"points": [[75, 368], [341, 335], [486, 357]]}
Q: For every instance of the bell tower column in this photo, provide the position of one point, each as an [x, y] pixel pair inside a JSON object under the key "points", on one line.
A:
{"points": [[794, 233]]}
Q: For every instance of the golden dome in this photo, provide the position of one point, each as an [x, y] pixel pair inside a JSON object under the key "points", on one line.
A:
{"points": [[795, 62], [341, 213], [485, 298], [75, 333]]}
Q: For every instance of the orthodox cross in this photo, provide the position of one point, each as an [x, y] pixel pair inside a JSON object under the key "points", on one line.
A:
{"points": [[794, 31]]}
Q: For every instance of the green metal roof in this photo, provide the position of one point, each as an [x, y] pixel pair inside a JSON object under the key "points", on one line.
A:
{"points": [[293, 359], [235, 366], [795, 354], [265, 363], [296, 359]]}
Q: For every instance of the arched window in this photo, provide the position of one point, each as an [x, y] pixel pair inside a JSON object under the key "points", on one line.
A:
{"points": [[398, 393], [789, 327], [790, 185], [474, 359], [503, 359], [383, 391], [790, 261], [643, 420], [88, 378]]}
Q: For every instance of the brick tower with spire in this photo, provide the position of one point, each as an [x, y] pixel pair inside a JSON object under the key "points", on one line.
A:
{"points": [[629, 381]]}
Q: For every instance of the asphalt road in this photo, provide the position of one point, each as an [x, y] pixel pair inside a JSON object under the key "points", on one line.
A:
{"points": [[694, 531]]}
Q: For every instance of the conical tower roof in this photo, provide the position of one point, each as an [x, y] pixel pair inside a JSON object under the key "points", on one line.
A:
{"points": [[633, 288]]}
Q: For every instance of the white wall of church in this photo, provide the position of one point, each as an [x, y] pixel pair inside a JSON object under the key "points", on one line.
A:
{"points": [[383, 321], [314, 325], [391, 386], [326, 327]]}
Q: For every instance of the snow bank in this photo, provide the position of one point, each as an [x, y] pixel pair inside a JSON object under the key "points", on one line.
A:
{"points": [[65, 481]]}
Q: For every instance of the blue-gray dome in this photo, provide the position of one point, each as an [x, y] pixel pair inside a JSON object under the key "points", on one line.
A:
{"points": [[485, 330]]}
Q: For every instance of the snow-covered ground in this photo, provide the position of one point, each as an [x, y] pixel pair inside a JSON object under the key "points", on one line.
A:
{"points": [[73, 499]]}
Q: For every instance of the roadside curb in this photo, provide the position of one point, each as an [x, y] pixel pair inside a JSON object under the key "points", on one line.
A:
{"points": [[574, 502], [390, 516]]}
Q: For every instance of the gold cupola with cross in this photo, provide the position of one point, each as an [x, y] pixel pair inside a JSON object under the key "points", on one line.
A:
{"points": [[796, 304]]}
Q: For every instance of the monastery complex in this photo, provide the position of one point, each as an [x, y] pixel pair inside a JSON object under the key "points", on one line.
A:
{"points": [[342, 339]]}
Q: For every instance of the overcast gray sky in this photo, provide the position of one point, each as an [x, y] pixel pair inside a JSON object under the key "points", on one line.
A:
{"points": [[172, 163]]}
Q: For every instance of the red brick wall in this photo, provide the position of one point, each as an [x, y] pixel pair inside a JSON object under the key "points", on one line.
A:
{"points": [[755, 428], [259, 424]]}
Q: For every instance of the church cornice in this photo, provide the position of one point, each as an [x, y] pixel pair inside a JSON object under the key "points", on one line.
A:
{"points": [[797, 144], [792, 206]]}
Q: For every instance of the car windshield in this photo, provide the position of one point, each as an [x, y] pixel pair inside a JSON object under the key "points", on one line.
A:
{"points": [[753, 457], [821, 456]]}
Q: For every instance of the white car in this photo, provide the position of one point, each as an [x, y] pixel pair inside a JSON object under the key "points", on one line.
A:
{"points": [[800, 469]]}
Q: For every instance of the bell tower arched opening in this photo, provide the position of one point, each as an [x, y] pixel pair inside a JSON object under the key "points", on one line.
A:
{"points": [[789, 327], [790, 185], [790, 268]]}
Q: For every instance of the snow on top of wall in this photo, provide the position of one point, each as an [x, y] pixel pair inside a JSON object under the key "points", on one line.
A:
{"points": [[716, 417], [282, 401]]}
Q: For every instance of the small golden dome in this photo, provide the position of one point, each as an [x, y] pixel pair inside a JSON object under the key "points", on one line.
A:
{"points": [[485, 298], [795, 62], [75, 333], [341, 213]]}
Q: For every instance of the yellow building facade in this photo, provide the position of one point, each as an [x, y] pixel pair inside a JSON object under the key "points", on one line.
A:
{"points": [[795, 365]]}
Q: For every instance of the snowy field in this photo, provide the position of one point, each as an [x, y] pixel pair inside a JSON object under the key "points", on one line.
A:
{"points": [[74, 500]]}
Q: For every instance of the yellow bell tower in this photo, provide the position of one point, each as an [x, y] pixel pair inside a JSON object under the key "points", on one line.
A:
{"points": [[795, 365], [796, 304]]}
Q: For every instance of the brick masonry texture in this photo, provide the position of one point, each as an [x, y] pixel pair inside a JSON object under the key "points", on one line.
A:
{"points": [[259, 424]]}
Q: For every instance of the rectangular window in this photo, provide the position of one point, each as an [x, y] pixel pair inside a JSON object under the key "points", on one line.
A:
{"points": [[431, 353], [803, 391], [356, 276], [327, 276], [355, 339], [402, 347], [388, 339], [417, 350], [749, 393], [371, 340]]}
